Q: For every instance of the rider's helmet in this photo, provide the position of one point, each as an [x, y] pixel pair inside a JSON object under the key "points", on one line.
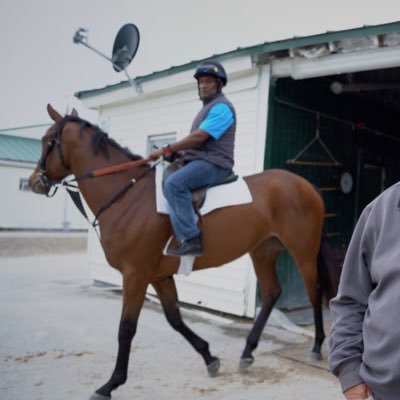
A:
{"points": [[211, 68]]}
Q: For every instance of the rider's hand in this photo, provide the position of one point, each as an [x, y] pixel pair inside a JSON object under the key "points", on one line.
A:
{"points": [[164, 152], [156, 154], [358, 392]]}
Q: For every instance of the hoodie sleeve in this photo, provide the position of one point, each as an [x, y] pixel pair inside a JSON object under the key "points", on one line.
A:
{"points": [[349, 306]]}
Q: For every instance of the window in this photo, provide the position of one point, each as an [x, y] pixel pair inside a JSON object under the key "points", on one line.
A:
{"points": [[24, 185], [105, 125]]}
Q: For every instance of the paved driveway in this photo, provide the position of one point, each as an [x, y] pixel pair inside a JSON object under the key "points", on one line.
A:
{"points": [[58, 341]]}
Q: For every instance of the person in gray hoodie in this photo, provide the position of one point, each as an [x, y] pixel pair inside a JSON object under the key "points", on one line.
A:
{"points": [[365, 334]]}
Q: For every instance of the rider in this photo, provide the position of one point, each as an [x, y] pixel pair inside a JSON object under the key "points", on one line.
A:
{"points": [[208, 156]]}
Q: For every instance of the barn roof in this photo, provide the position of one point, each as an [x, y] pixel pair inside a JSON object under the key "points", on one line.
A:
{"points": [[19, 149], [330, 40]]}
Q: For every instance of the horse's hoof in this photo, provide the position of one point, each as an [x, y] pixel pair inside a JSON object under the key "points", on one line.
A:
{"points": [[96, 396], [245, 363], [312, 356], [213, 368]]}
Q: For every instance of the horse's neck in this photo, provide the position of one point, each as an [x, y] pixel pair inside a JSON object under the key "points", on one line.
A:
{"points": [[97, 191]]}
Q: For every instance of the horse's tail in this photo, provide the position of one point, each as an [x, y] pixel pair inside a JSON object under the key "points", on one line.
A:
{"points": [[328, 269]]}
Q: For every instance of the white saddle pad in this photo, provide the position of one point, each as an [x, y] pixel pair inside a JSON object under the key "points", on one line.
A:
{"points": [[229, 194]]}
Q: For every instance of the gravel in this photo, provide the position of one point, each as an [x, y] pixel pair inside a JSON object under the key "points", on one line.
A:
{"points": [[25, 243]]}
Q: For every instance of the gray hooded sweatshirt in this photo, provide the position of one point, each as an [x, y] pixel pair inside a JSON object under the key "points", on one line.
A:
{"points": [[365, 335]]}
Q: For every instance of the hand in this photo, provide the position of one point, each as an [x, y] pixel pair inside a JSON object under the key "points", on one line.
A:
{"points": [[358, 392], [156, 154]]}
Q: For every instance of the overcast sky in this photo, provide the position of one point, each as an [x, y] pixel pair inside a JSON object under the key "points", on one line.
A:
{"points": [[41, 64]]}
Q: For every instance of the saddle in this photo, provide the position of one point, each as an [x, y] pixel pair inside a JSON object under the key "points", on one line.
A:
{"points": [[198, 195]]}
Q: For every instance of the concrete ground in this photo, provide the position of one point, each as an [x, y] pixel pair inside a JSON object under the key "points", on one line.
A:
{"points": [[58, 336]]}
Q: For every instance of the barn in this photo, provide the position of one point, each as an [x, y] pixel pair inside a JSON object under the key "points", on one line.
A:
{"points": [[324, 106]]}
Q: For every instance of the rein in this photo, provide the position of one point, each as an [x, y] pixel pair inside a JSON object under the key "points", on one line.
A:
{"points": [[74, 193], [113, 169]]}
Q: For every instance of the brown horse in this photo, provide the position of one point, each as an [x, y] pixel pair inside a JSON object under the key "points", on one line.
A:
{"points": [[286, 213]]}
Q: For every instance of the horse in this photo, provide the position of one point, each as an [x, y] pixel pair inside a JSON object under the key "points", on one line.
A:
{"points": [[286, 212]]}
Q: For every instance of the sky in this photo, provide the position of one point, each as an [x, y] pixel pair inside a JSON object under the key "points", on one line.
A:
{"points": [[40, 64]]}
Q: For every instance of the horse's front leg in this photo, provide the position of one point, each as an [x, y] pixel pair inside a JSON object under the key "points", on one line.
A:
{"points": [[134, 291], [167, 294]]}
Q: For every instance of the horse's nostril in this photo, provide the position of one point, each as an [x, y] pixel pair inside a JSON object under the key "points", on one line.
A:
{"points": [[38, 187]]}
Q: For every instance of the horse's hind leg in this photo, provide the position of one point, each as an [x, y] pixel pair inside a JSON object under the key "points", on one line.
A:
{"points": [[307, 264], [134, 291], [327, 284], [315, 353], [264, 261], [314, 290], [167, 294]]}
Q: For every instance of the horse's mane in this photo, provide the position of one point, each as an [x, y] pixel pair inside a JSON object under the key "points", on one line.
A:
{"points": [[101, 141]]}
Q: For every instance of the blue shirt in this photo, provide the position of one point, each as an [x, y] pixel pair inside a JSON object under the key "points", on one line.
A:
{"points": [[218, 120]]}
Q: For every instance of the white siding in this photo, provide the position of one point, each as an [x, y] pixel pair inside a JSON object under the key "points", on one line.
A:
{"points": [[27, 210], [230, 289]]}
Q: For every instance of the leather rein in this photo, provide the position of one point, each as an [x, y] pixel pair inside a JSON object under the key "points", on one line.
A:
{"points": [[72, 189]]}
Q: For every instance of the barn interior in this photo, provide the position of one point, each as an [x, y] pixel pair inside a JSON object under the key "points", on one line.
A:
{"points": [[341, 132]]}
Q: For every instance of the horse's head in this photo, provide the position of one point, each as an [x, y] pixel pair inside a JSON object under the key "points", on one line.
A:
{"points": [[52, 167]]}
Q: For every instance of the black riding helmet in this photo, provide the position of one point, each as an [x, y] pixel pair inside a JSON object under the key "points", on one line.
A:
{"points": [[211, 68]]}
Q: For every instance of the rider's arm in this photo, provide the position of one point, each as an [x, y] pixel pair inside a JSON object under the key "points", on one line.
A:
{"points": [[218, 120], [196, 138]]}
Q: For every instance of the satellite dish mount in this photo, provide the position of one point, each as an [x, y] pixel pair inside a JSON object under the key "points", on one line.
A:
{"points": [[126, 44]]}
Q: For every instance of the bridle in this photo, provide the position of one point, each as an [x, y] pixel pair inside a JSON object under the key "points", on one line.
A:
{"points": [[43, 178], [73, 189]]}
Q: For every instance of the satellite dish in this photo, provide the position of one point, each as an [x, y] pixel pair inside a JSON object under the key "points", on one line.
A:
{"points": [[125, 46]]}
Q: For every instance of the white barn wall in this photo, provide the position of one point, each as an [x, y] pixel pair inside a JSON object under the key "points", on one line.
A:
{"points": [[168, 106], [27, 210], [231, 289]]}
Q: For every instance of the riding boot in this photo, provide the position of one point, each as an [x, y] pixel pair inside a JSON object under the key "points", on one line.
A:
{"points": [[192, 247]]}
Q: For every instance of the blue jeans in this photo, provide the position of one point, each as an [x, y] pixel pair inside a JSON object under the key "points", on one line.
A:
{"points": [[178, 190]]}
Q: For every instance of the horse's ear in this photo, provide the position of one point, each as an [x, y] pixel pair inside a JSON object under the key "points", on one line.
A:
{"points": [[54, 115], [74, 113]]}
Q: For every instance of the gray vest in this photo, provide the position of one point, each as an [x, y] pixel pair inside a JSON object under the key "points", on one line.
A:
{"points": [[218, 152]]}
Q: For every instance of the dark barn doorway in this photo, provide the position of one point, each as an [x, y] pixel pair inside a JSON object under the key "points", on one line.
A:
{"points": [[340, 132]]}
